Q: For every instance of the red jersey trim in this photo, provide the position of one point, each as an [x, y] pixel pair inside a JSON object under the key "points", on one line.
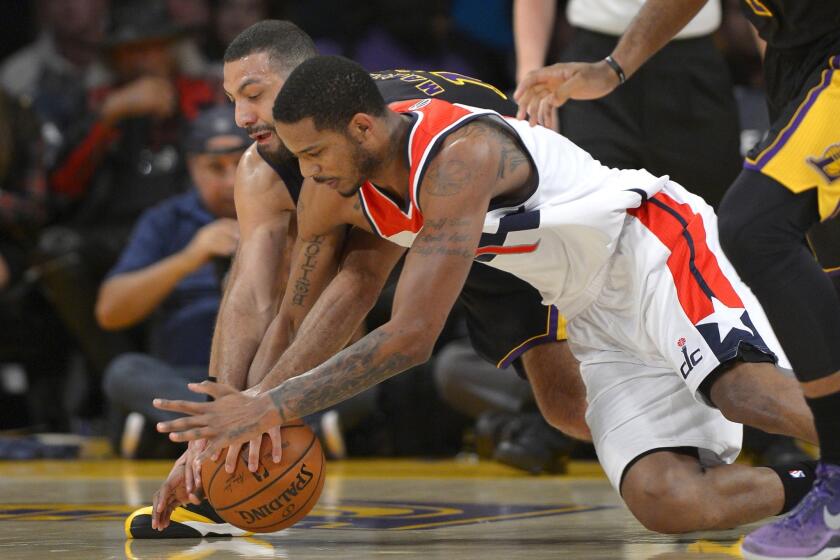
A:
{"points": [[694, 267]]}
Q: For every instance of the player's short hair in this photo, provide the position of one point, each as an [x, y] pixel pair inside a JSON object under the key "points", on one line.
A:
{"points": [[287, 44], [330, 90]]}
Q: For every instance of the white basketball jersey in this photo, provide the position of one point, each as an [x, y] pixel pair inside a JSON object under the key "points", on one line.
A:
{"points": [[560, 239]]}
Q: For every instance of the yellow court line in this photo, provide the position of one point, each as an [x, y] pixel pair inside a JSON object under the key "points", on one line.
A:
{"points": [[347, 469], [474, 520]]}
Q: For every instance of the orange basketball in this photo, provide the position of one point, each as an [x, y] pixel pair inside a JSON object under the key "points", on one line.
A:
{"points": [[277, 495]]}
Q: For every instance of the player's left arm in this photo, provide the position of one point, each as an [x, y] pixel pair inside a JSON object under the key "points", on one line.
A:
{"points": [[455, 194]]}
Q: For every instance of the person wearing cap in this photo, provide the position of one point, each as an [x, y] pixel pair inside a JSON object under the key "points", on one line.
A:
{"points": [[169, 274], [113, 161]]}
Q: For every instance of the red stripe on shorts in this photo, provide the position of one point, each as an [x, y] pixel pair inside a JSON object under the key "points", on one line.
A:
{"points": [[694, 267]]}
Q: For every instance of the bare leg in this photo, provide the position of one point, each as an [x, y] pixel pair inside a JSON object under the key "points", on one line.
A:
{"points": [[673, 493], [554, 374], [759, 395]]}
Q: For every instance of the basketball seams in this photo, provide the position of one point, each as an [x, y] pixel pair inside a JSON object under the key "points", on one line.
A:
{"points": [[222, 462], [276, 478], [302, 509]]}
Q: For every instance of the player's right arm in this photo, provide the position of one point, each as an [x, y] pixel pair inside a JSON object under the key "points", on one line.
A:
{"points": [[335, 278], [313, 265], [265, 212], [328, 297], [656, 23]]}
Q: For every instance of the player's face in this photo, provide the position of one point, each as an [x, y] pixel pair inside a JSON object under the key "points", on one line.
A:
{"points": [[213, 175], [251, 83], [330, 158]]}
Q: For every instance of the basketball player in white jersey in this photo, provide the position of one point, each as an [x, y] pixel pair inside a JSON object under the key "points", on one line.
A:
{"points": [[656, 314]]}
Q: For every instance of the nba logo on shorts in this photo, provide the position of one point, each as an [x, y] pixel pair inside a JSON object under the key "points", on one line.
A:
{"points": [[796, 474]]}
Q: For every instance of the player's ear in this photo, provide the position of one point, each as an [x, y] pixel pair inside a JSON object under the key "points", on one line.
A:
{"points": [[360, 127]]}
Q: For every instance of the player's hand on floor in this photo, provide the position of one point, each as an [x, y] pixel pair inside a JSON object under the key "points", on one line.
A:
{"points": [[545, 89], [234, 417], [192, 474], [171, 494]]}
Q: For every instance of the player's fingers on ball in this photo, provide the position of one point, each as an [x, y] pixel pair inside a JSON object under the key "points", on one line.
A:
{"points": [[276, 444], [254, 454], [208, 453], [231, 457]]}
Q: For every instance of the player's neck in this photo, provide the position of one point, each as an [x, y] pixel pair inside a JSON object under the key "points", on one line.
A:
{"points": [[392, 173]]}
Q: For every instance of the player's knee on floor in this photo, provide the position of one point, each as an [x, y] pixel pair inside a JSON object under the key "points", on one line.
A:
{"points": [[663, 490]]}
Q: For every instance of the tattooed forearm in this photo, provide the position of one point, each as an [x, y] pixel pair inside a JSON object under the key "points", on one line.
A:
{"points": [[348, 373], [445, 236], [310, 255]]}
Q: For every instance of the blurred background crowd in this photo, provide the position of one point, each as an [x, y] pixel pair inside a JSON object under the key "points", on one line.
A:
{"points": [[107, 109]]}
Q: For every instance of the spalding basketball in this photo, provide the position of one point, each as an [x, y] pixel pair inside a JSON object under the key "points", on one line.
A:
{"points": [[277, 495]]}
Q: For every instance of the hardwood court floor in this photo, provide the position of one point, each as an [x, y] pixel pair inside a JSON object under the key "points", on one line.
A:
{"points": [[369, 509]]}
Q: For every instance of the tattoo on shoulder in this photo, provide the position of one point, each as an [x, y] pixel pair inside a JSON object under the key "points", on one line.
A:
{"points": [[447, 178], [511, 156]]}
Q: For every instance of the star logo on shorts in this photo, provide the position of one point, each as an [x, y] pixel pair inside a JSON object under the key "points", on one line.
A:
{"points": [[727, 319]]}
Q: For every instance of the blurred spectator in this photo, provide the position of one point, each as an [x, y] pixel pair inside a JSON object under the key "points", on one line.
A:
{"points": [[120, 157], [66, 52], [60, 67], [507, 425], [189, 14], [192, 17], [232, 17], [33, 336], [167, 274], [228, 18]]}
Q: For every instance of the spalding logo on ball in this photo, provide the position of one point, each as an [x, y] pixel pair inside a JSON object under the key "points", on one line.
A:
{"points": [[277, 495]]}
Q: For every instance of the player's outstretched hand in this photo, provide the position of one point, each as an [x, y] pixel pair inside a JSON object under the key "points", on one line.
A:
{"points": [[253, 451], [234, 417], [171, 494], [545, 89]]}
